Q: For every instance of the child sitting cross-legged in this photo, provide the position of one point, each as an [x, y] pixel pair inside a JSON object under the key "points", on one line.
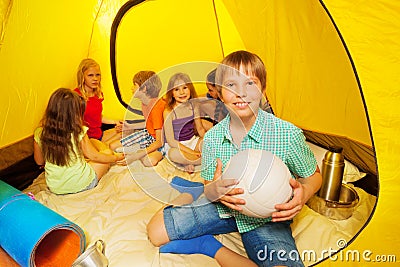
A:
{"points": [[73, 163], [146, 87], [182, 123]]}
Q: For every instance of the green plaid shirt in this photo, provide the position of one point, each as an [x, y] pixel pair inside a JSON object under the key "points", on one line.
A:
{"points": [[268, 133]]}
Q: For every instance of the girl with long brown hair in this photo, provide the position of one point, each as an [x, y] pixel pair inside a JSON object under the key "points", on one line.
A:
{"points": [[61, 144]]}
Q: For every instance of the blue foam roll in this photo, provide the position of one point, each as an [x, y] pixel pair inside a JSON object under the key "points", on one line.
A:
{"points": [[34, 235]]}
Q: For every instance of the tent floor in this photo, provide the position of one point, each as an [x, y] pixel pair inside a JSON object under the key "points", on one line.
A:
{"points": [[369, 183], [21, 174]]}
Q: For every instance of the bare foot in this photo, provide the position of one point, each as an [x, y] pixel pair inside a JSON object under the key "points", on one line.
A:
{"points": [[189, 168]]}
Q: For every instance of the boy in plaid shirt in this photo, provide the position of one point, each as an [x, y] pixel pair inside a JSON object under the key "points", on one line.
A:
{"points": [[188, 229], [146, 87]]}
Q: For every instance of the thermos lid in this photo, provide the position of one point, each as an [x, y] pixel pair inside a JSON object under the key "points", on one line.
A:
{"points": [[334, 155], [335, 149]]}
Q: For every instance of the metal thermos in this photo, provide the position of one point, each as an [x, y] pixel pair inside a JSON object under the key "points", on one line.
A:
{"points": [[332, 174]]}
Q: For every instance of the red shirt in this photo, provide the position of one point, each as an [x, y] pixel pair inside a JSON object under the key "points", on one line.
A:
{"points": [[93, 115]]}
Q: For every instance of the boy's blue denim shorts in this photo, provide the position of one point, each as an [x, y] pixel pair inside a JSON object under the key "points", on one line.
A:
{"points": [[268, 245]]}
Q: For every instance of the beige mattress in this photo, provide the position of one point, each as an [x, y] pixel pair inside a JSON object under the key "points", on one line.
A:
{"points": [[118, 209]]}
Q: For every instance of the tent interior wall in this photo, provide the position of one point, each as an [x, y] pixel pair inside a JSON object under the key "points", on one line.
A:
{"points": [[333, 62]]}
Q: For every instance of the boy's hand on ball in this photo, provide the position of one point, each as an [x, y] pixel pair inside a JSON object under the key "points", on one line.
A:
{"points": [[287, 211], [221, 190], [233, 202]]}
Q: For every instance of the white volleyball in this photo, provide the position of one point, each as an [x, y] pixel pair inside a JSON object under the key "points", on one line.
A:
{"points": [[264, 179]]}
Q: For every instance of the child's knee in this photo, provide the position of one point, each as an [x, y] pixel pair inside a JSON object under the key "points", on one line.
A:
{"points": [[151, 160], [156, 230], [148, 162], [115, 144], [174, 153], [107, 151]]}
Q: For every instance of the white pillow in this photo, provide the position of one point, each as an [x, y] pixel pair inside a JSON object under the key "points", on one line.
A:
{"points": [[350, 173]]}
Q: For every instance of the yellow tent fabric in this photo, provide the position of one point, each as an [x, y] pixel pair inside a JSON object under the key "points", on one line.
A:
{"points": [[331, 68]]}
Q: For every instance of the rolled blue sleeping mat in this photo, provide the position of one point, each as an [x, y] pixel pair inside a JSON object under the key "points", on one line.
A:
{"points": [[34, 235]]}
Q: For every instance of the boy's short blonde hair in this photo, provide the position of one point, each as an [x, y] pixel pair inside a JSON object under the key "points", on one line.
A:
{"points": [[149, 79], [252, 64]]}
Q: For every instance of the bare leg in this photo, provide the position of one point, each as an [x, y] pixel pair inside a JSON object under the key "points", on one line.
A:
{"points": [[99, 145], [178, 156], [156, 228], [152, 159], [115, 144], [229, 258], [110, 135], [207, 124], [158, 236], [185, 161], [199, 145], [100, 168], [189, 168]]}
